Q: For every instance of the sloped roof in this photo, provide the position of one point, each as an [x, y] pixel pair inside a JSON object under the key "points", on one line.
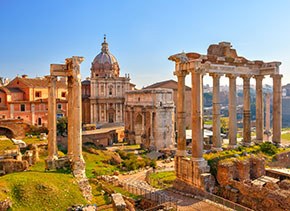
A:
{"points": [[163, 84], [38, 82]]}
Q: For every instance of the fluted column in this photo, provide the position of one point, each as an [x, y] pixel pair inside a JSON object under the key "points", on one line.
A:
{"points": [[259, 108], [181, 136], [277, 109], [232, 111], [52, 146], [246, 110], [70, 136], [217, 144], [196, 115]]}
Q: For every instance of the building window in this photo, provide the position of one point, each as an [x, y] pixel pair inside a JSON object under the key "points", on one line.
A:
{"points": [[138, 99], [37, 94], [63, 94], [59, 106], [102, 89], [110, 90], [22, 107], [39, 121], [17, 82], [19, 117], [0, 100]]}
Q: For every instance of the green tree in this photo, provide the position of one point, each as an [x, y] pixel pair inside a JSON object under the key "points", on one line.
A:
{"points": [[61, 125]]}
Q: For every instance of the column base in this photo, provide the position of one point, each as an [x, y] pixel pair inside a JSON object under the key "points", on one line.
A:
{"points": [[245, 144], [181, 153], [79, 167], [258, 141], [193, 173], [230, 146], [277, 144], [216, 149]]}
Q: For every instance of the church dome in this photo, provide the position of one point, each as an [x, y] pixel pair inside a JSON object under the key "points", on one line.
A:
{"points": [[105, 64]]}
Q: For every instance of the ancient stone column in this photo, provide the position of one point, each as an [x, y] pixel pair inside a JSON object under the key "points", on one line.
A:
{"points": [[268, 112], [52, 146], [217, 144], [181, 137], [246, 110], [277, 109], [70, 119], [259, 108], [78, 161], [232, 111], [196, 115]]}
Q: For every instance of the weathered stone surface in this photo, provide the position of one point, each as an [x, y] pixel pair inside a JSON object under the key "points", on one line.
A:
{"points": [[5, 205], [118, 202], [281, 160], [11, 165], [150, 118], [285, 184]]}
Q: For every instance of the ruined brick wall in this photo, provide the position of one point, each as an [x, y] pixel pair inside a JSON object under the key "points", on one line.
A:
{"points": [[281, 160]]}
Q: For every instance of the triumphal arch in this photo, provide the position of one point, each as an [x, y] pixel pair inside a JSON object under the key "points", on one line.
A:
{"points": [[220, 60], [70, 70]]}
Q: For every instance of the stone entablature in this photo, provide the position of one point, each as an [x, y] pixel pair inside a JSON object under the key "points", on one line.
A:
{"points": [[150, 118]]}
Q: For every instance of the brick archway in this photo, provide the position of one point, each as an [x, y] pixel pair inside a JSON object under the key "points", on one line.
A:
{"points": [[13, 128]]}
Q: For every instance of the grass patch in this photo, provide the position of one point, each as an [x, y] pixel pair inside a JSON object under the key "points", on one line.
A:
{"points": [[41, 190], [33, 140], [6, 144], [166, 178], [286, 136], [96, 164]]}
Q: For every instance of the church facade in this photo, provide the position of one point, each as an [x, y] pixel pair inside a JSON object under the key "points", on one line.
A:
{"points": [[104, 92]]}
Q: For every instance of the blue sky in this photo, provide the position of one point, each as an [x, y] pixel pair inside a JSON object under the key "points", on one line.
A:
{"points": [[141, 34]]}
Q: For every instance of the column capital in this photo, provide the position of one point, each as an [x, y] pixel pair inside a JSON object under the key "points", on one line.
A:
{"points": [[232, 76], [259, 77], [181, 73], [216, 75], [246, 77], [276, 76]]}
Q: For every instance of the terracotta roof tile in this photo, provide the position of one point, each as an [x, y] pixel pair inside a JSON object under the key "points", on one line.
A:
{"points": [[40, 82]]}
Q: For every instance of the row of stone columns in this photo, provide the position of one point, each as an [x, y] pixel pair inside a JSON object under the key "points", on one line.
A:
{"points": [[197, 107]]}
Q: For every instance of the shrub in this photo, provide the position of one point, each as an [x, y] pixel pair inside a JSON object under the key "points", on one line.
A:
{"points": [[268, 148]]}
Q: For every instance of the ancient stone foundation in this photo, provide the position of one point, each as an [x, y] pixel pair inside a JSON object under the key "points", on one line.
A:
{"points": [[192, 173], [244, 182]]}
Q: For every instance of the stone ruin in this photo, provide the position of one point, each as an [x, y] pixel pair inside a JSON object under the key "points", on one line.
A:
{"points": [[13, 160], [193, 173], [71, 71], [246, 182]]}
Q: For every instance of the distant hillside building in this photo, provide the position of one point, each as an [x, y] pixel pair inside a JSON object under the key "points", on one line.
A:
{"points": [[103, 93], [26, 98]]}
